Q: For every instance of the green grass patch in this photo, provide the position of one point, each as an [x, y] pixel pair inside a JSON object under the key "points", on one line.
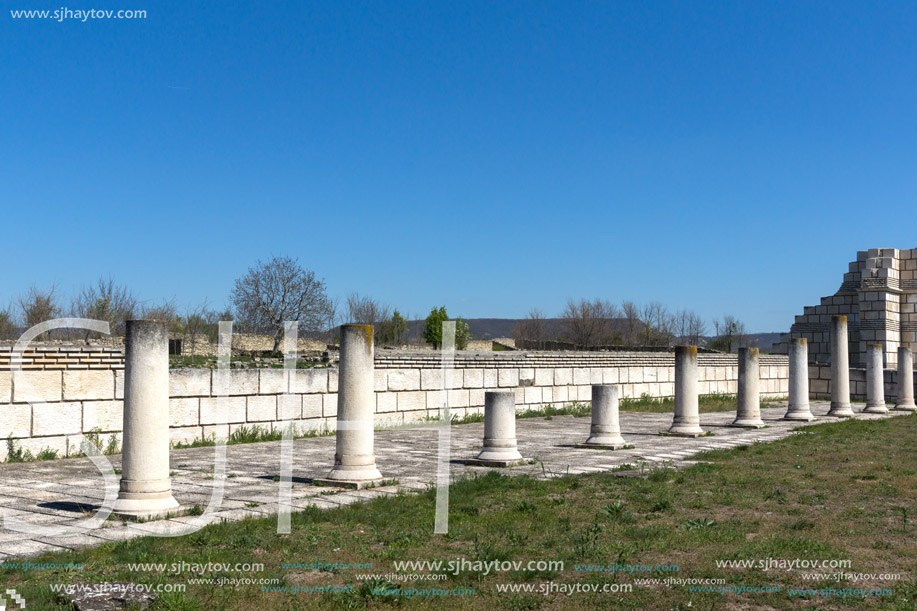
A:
{"points": [[706, 403], [252, 434], [802, 497]]}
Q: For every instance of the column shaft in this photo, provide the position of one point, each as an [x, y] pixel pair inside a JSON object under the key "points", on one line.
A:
{"points": [[499, 429], [686, 421], [146, 488], [605, 430], [875, 381], [905, 400], [840, 369], [748, 410], [798, 407], [354, 459]]}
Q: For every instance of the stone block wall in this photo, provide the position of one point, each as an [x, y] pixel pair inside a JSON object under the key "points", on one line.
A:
{"points": [[71, 397], [879, 297], [820, 383]]}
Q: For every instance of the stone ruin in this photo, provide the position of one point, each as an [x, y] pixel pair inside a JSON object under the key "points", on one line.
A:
{"points": [[879, 298]]}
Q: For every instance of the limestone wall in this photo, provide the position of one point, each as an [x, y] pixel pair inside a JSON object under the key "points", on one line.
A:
{"points": [[879, 297], [68, 398], [820, 383]]}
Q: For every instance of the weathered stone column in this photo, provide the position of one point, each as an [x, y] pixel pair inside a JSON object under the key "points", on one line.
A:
{"points": [[605, 431], [798, 407], [499, 430], [146, 488], [686, 422], [748, 411], [840, 369], [905, 400], [875, 381], [354, 459]]}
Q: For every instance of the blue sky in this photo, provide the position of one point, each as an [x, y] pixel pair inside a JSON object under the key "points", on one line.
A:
{"points": [[493, 157]]}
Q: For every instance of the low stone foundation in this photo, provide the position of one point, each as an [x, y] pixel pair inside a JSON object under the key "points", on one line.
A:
{"points": [[82, 390]]}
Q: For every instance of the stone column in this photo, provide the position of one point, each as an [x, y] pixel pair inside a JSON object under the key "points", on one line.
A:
{"points": [[905, 381], [875, 380], [840, 369], [605, 431], [499, 430], [354, 459], [798, 406], [748, 411], [686, 422], [146, 488]]}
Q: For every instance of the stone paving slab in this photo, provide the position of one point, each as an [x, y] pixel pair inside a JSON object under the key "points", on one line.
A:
{"points": [[69, 491]]}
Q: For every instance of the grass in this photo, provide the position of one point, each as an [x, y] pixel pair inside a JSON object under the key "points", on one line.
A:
{"points": [[706, 403], [16, 454], [841, 490], [252, 434]]}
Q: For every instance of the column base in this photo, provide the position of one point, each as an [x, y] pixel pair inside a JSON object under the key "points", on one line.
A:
{"points": [[499, 455], [478, 462], [354, 473], [842, 410], [685, 430], [799, 414], [748, 423], [607, 441], [875, 409], [800, 417], [601, 446], [906, 407], [153, 507], [349, 484]]}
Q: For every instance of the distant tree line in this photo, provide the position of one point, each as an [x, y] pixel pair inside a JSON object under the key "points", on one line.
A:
{"points": [[587, 324], [269, 294], [279, 290]]}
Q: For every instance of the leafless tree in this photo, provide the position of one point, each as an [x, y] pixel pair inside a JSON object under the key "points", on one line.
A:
{"points": [[690, 327], [39, 305], [532, 330], [364, 310], [658, 325], [589, 323], [166, 312], [368, 311], [197, 321], [9, 328], [278, 291], [633, 323], [105, 300], [730, 334]]}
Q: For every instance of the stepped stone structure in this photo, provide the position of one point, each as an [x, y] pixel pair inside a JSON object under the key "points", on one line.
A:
{"points": [[879, 298]]}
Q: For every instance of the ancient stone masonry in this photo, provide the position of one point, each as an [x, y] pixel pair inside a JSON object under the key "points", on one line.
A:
{"points": [[77, 397], [879, 298]]}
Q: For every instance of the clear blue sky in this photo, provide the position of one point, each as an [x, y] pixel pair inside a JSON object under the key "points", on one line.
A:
{"points": [[490, 156]]}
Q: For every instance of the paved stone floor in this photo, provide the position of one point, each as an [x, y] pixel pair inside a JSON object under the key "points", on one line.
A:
{"points": [[63, 492]]}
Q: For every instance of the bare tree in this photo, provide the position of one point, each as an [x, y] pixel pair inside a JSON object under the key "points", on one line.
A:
{"points": [[633, 323], [730, 334], [366, 310], [105, 300], [658, 325], [38, 306], [589, 323], [689, 327], [532, 330], [279, 291], [197, 320], [165, 312], [9, 328], [697, 328]]}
